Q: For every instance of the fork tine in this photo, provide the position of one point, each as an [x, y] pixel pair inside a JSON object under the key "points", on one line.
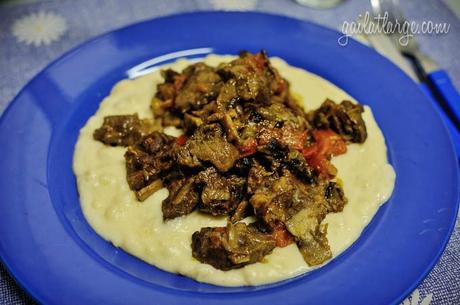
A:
{"points": [[391, 7], [396, 11]]}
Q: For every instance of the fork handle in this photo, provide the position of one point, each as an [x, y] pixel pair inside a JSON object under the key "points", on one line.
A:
{"points": [[445, 89], [454, 133]]}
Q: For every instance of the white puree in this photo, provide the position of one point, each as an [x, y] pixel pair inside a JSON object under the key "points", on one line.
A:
{"points": [[138, 228]]}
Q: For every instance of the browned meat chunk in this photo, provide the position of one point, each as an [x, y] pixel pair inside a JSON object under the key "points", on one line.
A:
{"points": [[242, 211], [182, 200], [149, 160], [201, 86], [173, 82], [220, 195], [228, 95], [260, 179], [281, 113], [248, 82], [287, 136], [208, 144], [190, 90], [185, 157], [281, 157], [274, 201], [231, 247], [344, 118], [253, 78], [122, 130]]}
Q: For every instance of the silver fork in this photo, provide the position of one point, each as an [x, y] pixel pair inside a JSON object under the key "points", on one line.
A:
{"points": [[435, 81], [405, 42]]}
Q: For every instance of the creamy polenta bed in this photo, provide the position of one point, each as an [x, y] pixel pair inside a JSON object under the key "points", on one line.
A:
{"points": [[233, 170]]}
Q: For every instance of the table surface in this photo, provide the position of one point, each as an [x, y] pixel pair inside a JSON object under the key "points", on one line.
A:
{"points": [[77, 21]]}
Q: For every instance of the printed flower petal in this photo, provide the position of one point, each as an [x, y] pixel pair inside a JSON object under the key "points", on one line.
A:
{"points": [[39, 28], [415, 297], [427, 300]]}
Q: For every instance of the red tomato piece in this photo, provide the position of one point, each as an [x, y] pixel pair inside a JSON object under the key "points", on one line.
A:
{"points": [[281, 235], [248, 148], [329, 142], [181, 140]]}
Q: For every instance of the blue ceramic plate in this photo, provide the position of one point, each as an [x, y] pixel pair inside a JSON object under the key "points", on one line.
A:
{"points": [[53, 253]]}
